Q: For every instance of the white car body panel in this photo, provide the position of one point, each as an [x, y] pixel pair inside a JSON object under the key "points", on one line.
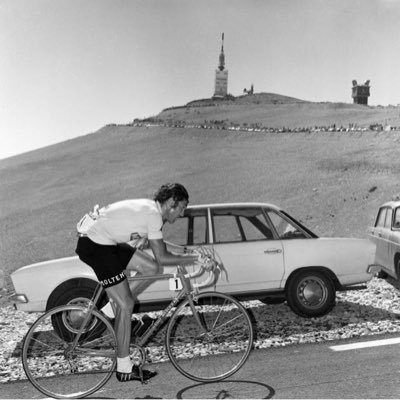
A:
{"points": [[336, 254], [38, 280], [253, 261]]}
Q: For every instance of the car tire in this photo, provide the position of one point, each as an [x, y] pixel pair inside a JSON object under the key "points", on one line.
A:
{"points": [[77, 292], [311, 293]]}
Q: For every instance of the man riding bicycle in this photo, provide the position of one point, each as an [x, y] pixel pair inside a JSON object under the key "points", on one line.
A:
{"points": [[103, 245]]}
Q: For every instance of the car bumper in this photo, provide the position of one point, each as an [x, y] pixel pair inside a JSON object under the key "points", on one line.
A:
{"points": [[18, 298], [21, 303], [374, 269]]}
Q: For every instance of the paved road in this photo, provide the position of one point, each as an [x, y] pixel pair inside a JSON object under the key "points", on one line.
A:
{"points": [[302, 371]]}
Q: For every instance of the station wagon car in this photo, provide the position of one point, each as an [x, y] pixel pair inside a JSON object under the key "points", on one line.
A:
{"points": [[386, 235], [266, 253]]}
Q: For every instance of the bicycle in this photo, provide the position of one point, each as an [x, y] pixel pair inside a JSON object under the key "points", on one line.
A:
{"points": [[208, 338]]}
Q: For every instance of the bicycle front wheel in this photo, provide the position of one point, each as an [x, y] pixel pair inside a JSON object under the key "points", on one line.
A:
{"points": [[56, 366], [211, 340]]}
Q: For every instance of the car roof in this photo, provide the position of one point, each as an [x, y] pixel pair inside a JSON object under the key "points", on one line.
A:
{"points": [[234, 205], [392, 204]]}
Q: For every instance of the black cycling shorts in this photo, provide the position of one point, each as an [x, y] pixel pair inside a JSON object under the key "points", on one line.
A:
{"points": [[107, 261]]}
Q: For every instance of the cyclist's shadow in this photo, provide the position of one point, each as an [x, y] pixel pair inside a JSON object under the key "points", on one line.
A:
{"points": [[227, 389]]}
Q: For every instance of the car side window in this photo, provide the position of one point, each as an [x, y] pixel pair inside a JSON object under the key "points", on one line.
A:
{"points": [[388, 219], [188, 230], [380, 219], [240, 225], [284, 228], [396, 221]]}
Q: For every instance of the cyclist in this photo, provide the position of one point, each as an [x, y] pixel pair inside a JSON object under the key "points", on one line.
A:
{"points": [[103, 245]]}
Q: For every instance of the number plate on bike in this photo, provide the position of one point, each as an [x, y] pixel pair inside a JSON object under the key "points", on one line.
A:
{"points": [[175, 284]]}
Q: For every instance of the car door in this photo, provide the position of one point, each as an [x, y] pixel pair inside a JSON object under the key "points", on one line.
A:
{"points": [[385, 235], [377, 236], [244, 241]]}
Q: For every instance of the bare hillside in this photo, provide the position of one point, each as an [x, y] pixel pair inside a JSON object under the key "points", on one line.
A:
{"points": [[332, 181]]}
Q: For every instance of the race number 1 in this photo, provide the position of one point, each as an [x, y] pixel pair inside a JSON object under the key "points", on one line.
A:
{"points": [[175, 284]]}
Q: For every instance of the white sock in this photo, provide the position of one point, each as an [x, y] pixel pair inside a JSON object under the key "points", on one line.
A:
{"points": [[124, 364], [108, 310]]}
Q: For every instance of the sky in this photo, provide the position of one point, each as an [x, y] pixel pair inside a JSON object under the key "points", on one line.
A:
{"points": [[69, 67]]}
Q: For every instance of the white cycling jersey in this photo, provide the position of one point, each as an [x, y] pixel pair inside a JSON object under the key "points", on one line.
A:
{"points": [[125, 220]]}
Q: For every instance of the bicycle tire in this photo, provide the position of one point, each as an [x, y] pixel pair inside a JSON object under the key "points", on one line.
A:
{"points": [[59, 371], [217, 354]]}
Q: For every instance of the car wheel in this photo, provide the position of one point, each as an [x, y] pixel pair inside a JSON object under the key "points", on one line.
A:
{"points": [[76, 292], [311, 293]]}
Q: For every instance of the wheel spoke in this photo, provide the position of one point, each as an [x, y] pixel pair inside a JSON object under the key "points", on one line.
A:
{"points": [[212, 355]]}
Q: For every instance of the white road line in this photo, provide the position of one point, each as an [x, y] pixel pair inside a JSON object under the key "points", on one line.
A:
{"points": [[361, 345]]}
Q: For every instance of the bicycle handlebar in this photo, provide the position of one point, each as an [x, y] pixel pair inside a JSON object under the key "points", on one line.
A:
{"points": [[208, 263]]}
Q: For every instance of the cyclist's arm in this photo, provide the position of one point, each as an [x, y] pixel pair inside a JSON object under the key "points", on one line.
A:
{"points": [[164, 257]]}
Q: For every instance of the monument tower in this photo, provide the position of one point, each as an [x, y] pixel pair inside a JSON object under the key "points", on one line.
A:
{"points": [[360, 93], [221, 75]]}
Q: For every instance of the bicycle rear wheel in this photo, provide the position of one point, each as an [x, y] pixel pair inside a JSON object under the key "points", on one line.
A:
{"points": [[218, 347], [57, 368]]}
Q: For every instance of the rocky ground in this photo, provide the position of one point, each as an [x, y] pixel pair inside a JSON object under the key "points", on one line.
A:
{"points": [[375, 310]]}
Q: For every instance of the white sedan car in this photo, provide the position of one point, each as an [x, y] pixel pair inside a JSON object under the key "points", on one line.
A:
{"points": [[267, 255]]}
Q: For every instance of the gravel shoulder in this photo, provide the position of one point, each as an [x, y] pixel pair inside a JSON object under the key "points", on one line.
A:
{"points": [[372, 311]]}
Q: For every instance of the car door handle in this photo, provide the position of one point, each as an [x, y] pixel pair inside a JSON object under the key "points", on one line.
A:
{"points": [[272, 251]]}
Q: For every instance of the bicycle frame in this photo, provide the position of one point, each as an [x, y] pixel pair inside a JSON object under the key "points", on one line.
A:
{"points": [[186, 291]]}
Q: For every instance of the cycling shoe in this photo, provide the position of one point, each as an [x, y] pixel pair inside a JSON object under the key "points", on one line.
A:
{"points": [[135, 375]]}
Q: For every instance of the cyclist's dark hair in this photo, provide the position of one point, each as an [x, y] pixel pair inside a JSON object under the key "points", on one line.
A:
{"points": [[174, 190]]}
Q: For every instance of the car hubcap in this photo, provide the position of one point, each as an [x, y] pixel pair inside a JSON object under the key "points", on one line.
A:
{"points": [[73, 319], [312, 292]]}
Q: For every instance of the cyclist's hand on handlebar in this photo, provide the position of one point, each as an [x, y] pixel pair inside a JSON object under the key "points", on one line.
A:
{"points": [[206, 262]]}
